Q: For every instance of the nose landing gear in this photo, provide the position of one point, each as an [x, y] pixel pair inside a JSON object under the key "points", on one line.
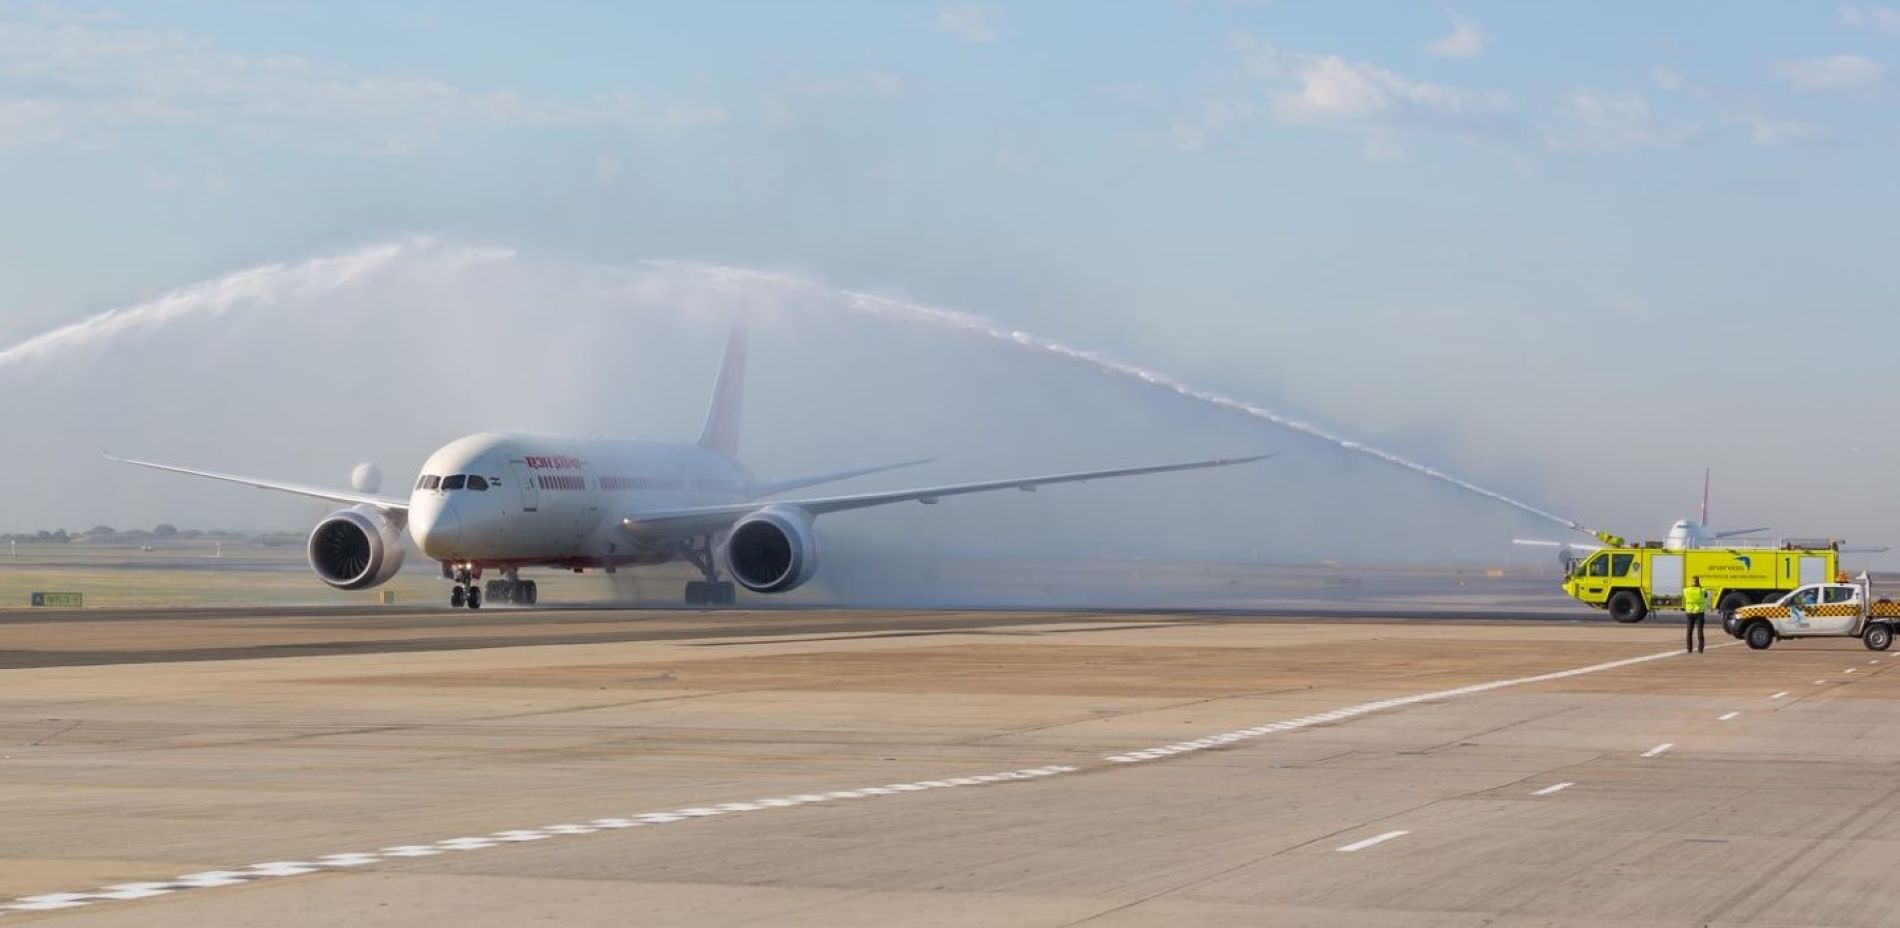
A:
{"points": [[466, 593]]}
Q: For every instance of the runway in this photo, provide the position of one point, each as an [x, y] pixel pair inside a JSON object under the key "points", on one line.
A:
{"points": [[839, 768]]}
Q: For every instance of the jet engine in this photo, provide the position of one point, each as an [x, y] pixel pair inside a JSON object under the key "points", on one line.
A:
{"points": [[772, 550], [356, 548]]}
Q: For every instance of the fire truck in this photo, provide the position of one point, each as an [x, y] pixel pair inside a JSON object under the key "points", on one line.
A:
{"points": [[1632, 581]]}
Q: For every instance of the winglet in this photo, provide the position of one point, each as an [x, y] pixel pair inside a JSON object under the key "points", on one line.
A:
{"points": [[722, 419]]}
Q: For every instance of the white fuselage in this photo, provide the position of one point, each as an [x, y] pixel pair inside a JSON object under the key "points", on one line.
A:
{"points": [[549, 501]]}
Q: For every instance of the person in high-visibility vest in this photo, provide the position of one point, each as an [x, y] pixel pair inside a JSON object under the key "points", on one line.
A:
{"points": [[1695, 602]]}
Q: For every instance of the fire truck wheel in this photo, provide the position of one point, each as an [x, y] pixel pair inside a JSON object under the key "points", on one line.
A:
{"points": [[1627, 606], [1733, 601], [1759, 636], [1877, 637]]}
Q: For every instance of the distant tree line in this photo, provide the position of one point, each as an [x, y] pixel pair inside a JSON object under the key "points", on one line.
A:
{"points": [[164, 531]]}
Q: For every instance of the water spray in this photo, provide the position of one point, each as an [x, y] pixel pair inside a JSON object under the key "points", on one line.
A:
{"points": [[967, 323]]}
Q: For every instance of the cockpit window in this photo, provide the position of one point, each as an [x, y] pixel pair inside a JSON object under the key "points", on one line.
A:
{"points": [[477, 483], [430, 482], [454, 483]]}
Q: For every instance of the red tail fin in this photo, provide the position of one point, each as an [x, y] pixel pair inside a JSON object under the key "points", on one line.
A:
{"points": [[728, 400]]}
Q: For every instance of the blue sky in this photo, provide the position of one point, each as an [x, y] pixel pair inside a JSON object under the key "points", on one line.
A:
{"points": [[1443, 224]]}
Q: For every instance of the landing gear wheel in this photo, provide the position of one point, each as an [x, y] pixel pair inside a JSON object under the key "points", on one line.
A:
{"points": [[474, 598], [1627, 606], [696, 593], [530, 594], [492, 589], [457, 597], [1877, 637], [1759, 636], [725, 594]]}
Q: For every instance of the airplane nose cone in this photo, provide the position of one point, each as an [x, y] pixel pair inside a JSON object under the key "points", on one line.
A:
{"points": [[436, 529]]}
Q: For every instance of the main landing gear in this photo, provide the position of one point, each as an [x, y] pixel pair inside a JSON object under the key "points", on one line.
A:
{"points": [[512, 589], [508, 588], [711, 591]]}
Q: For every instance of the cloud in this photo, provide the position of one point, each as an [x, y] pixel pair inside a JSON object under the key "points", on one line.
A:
{"points": [[1873, 17], [1196, 132], [1668, 80], [1334, 90], [1832, 72], [969, 21], [786, 103], [1767, 131], [83, 83], [1465, 41], [1594, 122]]}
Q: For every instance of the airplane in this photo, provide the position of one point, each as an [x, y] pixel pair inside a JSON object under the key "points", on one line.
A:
{"points": [[495, 502], [1684, 534]]}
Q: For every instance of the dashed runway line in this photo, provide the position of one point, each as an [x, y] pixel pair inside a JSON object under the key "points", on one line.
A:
{"points": [[1726, 716], [351, 859], [1553, 788], [1377, 839], [1659, 750], [1779, 695]]}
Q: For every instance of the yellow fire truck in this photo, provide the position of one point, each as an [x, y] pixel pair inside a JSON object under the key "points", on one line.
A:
{"points": [[1631, 581]]}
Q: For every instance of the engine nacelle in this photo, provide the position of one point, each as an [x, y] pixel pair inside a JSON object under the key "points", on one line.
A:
{"points": [[772, 550], [356, 548]]}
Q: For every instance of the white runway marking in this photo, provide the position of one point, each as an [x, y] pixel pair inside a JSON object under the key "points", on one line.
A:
{"points": [[1659, 750], [1848, 670], [1553, 788], [1724, 718], [1779, 695], [352, 859], [1381, 839], [1337, 715], [1819, 682]]}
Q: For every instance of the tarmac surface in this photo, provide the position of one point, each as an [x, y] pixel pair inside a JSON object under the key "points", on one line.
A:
{"points": [[378, 767]]}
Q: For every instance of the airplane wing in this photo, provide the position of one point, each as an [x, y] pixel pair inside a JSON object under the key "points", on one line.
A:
{"points": [[1736, 533], [352, 497], [1863, 549], [774, 487], [703, 520]]}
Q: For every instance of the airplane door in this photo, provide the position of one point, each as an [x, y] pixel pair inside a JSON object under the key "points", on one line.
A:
{"points": [[530, 494]]}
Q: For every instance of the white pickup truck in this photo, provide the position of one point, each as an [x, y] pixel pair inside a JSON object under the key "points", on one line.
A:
{"points": [[1819, 610]]}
